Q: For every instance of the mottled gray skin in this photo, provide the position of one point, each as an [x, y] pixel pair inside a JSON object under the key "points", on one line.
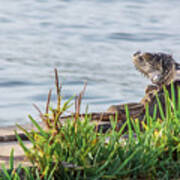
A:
{"points": [[160, 68]]}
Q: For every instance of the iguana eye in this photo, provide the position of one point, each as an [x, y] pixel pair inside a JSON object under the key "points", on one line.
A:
{"points": [[141, 59]]}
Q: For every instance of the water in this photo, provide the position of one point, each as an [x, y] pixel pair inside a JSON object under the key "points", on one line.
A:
{"points": [[86, 40]]}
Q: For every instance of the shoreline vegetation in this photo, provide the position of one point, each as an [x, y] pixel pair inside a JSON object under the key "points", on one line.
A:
{"points": [[78, 148]]}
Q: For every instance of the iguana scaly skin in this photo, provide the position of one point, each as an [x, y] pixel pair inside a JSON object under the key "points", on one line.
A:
{"points": [[161, 69]]}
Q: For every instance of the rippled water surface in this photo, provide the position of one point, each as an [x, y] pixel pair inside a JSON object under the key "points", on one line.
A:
{"points": [[89, 40]]}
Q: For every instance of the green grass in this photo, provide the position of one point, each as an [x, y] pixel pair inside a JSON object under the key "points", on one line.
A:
{"points": [[75, 150]]}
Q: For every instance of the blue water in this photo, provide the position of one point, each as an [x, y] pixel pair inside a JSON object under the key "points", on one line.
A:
{"points": [[87, 40]]}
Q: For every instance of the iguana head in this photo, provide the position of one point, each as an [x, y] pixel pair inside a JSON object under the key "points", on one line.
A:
{"points": [[158, 67]]}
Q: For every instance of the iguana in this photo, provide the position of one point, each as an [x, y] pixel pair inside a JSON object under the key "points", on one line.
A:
{"points": [[160, 68]]}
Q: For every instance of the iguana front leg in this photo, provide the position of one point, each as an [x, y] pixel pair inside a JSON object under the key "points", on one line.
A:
{"points": [[149, 93]]}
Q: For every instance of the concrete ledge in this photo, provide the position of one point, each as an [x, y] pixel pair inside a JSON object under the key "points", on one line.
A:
{"points": [[9, 130], [6, 147], [19, 158]]}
